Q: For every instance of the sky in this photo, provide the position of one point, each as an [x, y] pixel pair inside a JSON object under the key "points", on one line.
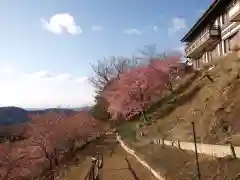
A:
{"points": [[47, 45]]}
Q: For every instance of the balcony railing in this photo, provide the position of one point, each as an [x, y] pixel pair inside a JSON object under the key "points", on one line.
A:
{"points": [[234, 12], [209, 33]]}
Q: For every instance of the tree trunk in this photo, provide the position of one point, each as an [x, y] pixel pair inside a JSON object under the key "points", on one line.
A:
{"points": [[72, 150], [51, 169], [144, 116]]}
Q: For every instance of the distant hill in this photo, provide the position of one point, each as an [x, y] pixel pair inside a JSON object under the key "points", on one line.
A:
{"points": [[15, 130], [14, 120], [84, 108], [62, 109], [66, 111], [13, 115]]}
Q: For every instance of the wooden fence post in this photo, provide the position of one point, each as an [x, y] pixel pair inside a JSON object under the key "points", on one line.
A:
{"points": [[178, 144], [163, 142], [196, 153], [233, 150]]}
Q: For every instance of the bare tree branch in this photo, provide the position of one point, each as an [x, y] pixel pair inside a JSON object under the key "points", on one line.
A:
{"points": [[109, 69], [139, 95]]}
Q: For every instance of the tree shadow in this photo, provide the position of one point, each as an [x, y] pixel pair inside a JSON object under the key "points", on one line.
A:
{"points": [[180, 89], [176, 102]]}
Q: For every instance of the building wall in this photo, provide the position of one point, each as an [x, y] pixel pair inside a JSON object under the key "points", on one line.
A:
{"points": [[213, 54], [229, 35], [228, 29]]}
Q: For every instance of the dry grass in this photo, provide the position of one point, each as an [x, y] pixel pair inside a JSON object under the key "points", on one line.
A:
{"points": [[215, 109], [213, 106], [175, 164]]}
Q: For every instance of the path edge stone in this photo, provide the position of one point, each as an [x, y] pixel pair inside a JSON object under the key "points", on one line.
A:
{"points": [[142, 162]]}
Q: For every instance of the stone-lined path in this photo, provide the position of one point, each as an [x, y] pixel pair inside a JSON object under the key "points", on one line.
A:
{"points": [[117, 164]]}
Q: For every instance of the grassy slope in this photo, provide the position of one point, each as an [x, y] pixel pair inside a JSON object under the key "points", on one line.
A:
{"points": [[214, 107], [176, 164]]}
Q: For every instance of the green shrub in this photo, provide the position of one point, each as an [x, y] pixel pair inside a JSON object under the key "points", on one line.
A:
{"points": [[127, 130]]}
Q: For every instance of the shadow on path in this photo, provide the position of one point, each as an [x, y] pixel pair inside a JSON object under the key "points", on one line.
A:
{"points": [[131, 170]]}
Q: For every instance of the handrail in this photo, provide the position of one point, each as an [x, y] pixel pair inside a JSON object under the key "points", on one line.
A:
{"points": [[89, 172], [198, 40], [97, 164]]}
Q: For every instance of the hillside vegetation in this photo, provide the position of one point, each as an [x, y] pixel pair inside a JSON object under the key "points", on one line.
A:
{"points": [[214, 106], [13, 115], [40, 147], [209, 98]]}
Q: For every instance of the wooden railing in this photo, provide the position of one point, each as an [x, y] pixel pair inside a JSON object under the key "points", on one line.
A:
{"points": [[205, 35], [234, 11], [94, 171]]}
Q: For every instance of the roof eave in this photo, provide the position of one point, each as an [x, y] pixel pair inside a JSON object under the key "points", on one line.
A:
{"points": [[200, 20]]}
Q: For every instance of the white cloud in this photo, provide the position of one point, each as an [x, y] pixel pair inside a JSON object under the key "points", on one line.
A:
{"points": [[97, 28], [133, 31], [19, 90], [63, 77], [7, 69], [180, 49], [60, 22], [41, 74], [81, 79], [155, 28], [46, 75], [177, 25]]}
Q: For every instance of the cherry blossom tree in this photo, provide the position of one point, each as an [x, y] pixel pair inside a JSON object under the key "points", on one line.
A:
{"points": [[51, 140], [170, 66], [45, 142], [15, 161], [134, 91], [6, 162]]}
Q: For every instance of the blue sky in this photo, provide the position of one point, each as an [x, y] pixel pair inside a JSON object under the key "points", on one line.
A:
{"points": [[43, 64]]}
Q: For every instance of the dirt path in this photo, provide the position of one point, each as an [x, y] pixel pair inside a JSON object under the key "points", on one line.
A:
{"points": [[117, 164]]}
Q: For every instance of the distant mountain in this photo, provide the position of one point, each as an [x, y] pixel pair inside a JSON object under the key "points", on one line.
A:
{"points": [[13, 115], [66, 111], [62, 109], [33, 109], [84, 108]]}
